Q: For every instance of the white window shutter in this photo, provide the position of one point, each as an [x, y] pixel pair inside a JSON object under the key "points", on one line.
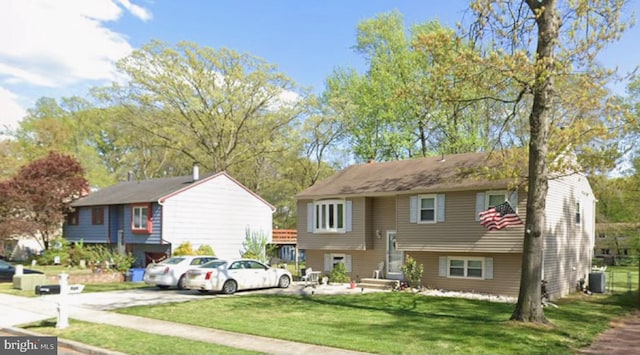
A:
{"points": [[413, 209], [347, 262], [479, 204], [327, 262], [440, 208], [310, 217], [348, 225], [488, 268], [442, 269], [513, 200]]}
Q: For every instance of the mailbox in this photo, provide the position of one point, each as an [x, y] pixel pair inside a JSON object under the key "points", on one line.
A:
{"points": [[47, 289]]}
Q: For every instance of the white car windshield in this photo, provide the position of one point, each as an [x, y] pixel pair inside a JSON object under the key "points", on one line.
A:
{"points": [[214, 264], [173, 261]]}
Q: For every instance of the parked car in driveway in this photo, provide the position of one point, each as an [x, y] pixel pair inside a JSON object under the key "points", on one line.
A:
{"points": [[7, 270], [229, 276], [171, 272]]}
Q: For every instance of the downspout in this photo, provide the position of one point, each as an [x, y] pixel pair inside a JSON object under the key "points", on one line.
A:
{"points": [[109, 224], [161, 204]]}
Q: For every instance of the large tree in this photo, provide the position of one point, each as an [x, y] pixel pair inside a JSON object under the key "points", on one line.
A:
{"points": [[547, 49], [36, 200], [409, 102], [69, 125], [219, 108]]}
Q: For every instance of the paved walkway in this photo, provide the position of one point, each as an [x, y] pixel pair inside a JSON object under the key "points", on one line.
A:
{"points": [[16, 310], [622, 338]]}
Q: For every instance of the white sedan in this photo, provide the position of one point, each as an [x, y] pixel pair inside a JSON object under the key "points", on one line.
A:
{"points": [[230, 276], [171, 272]]}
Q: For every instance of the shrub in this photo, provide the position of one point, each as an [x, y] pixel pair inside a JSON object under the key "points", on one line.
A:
{"points": [[184, 249], [58, 248], [339, 274], [254, 245], [413, 272], [102, 257], [77, 252], [205, 250]]}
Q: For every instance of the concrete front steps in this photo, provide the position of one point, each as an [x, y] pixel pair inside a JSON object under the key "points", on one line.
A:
{"points": [[381, 284]]}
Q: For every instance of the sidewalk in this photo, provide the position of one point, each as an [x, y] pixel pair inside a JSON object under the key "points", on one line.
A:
{"points": [[16, 310], [622, 338]]}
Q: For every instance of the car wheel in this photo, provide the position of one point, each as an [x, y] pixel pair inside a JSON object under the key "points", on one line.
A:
{"points": [[284, 281], [163, 287], [180, 284], [230, 287]]}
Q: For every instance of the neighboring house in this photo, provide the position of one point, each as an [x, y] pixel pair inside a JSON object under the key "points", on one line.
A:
{"points": [[150, 218], [20, 248], [285, 242], [616, 241], [427, 208]]}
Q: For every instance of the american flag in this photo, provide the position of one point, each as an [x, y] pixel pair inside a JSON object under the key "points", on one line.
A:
{"points": [[499, 216]]}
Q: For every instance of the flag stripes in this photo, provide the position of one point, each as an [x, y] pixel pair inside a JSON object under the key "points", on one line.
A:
{"points": [[499, 216]]}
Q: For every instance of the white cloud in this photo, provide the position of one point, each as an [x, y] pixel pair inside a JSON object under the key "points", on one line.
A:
{"points": [[61, 42], [10, 110], [138, 11]]}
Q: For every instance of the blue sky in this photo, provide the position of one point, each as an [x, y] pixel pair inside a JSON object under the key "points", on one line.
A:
{"points": [[58, 48]]}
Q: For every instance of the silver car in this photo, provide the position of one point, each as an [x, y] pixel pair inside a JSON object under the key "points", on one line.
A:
{"points": [[171, 272], [229, 276]]}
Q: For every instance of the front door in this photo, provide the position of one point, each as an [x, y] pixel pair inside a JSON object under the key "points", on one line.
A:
{"points": [[394, 258]]}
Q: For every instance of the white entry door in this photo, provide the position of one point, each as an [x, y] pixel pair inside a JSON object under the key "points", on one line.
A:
{"points": [[394, 258]]}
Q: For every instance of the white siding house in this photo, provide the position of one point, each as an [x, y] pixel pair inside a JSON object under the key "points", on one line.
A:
{"points": [[217, 213], [570, 233]]}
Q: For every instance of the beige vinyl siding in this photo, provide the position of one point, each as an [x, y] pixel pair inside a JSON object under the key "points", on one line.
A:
{"points": [[353, 240], [568, 246], [383, 220], [506, 274], [460, 231], [363, 262], [380, 217]]}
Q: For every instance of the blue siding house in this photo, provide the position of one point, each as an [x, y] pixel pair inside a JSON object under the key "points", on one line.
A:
{"points": [[150, 218]]}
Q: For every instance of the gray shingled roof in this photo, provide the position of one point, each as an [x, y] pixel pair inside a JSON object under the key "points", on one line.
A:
{"points": [[432, 174], [137, 191]]}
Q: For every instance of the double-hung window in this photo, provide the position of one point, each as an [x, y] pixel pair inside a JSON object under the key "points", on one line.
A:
{"points": [[97, 216], [466, 267], [330, 216], [578, 213], [73, 217], [495, 198], [141, 218], [427, 209]]}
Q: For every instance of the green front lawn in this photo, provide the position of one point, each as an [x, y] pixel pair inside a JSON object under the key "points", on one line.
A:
{"points": [[130, 341], [402, 323]]}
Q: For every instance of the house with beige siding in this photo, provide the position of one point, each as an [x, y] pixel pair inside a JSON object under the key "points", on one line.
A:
{"points": [[379, 213]]}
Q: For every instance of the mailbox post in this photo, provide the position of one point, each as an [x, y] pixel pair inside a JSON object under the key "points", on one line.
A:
{"points": [[63, 311]]}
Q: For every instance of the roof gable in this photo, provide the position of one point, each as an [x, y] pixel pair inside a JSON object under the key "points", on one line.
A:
{"points": [[413, 175], [152, 190]]}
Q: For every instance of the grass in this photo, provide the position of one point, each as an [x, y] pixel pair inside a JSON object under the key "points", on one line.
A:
{"points": [[402, 323], [130, 341], [621, 278], [7, 287], [387, 323]]}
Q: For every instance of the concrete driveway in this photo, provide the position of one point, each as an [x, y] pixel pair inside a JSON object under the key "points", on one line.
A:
{"points": [[110, 300]]}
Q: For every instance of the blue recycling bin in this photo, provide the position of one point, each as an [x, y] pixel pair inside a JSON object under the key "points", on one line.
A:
{"points": [[137, 275]]}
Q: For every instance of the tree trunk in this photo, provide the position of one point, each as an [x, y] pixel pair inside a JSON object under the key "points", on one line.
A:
{"points": [[529, 306]]}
